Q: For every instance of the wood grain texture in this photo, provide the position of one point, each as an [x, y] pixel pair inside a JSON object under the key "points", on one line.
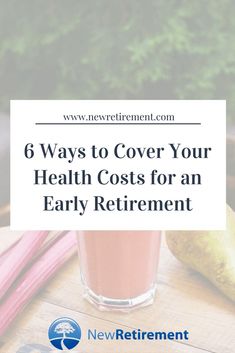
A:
{"points": [[184, 301]]}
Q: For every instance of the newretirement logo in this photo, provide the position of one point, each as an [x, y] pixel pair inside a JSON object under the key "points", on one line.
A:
{"points": [[64, 333]]}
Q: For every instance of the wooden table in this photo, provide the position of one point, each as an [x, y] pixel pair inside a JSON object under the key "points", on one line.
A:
{"points": [[184, 301]]}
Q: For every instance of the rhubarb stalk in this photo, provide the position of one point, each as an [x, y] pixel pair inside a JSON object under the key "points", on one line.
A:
{"points": [[34, 279], [18, 257]]}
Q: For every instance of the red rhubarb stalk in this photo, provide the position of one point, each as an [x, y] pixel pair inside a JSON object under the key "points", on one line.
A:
{"points": [[36, 277], [18, 257]]}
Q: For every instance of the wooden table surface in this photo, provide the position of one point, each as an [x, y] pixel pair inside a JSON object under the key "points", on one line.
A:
{"points": [[184, 301]]}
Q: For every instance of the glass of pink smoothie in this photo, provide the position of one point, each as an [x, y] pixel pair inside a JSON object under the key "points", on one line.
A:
{"points": [[119, 268]]}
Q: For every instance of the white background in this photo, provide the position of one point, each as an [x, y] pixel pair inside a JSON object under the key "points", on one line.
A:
{"points": [[208, 199]]}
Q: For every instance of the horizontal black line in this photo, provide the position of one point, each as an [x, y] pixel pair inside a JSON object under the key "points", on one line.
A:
{"points": [[90, 123]]}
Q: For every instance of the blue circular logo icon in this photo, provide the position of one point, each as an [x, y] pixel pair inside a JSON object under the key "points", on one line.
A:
{"points": [[64, 333]]}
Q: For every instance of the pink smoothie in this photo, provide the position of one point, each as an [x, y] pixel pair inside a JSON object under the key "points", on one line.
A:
{"points": [[119, 264]]}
